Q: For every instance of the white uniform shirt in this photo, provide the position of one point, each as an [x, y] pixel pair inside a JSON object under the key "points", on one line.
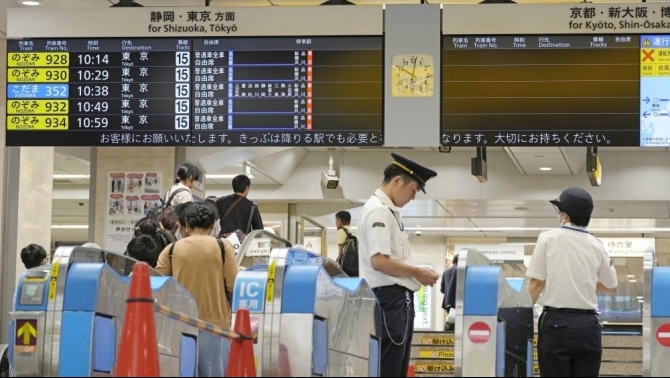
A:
{"points": [[571, 261], [380, 231]]}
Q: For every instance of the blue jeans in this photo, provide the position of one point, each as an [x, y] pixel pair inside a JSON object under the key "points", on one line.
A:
{"points": [[213, 354]]}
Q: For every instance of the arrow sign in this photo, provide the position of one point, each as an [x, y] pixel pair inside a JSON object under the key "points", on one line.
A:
{"points": [[26, 332], [646, 100], [645, 114]]}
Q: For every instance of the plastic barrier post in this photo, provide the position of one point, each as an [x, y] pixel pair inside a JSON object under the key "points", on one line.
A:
{"points": [[138, 353], [410, 371], [241, 360]]}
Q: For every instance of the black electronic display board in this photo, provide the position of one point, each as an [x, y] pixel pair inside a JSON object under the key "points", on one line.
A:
{"points": [[533, 90], [277, 91]]}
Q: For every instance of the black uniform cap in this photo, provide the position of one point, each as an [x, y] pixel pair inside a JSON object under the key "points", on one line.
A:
{"points": [[575, 201], [417, 171]]}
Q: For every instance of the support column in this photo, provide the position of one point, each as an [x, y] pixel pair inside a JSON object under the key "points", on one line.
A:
{"points": [[27, 204]]}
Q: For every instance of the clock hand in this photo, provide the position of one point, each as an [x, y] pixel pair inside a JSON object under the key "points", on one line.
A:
{"points": [[414, 69]]}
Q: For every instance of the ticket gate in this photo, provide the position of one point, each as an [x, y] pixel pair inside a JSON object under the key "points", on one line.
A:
{"points": [[494, 321], [68, 317], [308, 318], [655, 318]]}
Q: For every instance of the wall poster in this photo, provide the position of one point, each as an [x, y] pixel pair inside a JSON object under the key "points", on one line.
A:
{"points": [[130, 196]]}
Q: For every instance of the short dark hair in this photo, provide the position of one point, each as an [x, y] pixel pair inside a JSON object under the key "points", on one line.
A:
{"points": [[241, 183], [455, 260], [344, 216], [200, 215], [187, 170], [168, 218], [144, 248], [393, 171], [33, 255], [579, 221]]}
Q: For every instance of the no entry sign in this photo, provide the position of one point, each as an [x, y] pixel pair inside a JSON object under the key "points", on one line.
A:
{"points": [[480, 333], [663, 335]]}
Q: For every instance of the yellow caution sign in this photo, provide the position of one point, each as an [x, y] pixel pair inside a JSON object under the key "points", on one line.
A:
{"points": [[536, 370], [37, 106], [38, 75], [646, 42], [40, 122], [35, 59], [535, 342], [535, 355], [53, 284], [272, 269], [429, 340], [435, 368], [437, 354]]}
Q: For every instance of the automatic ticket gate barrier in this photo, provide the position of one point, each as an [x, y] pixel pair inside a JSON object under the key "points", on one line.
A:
{"points": [[68, 317], [308, 318], [655, 318], [494, 321]]}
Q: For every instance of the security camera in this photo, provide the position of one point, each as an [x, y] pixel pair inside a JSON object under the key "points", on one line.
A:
{"points": [[329, 179], [417, 233], [81, 204]]}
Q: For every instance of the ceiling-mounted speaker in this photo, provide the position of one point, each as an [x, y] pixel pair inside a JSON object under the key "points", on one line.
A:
{"points": [[478, 165]]}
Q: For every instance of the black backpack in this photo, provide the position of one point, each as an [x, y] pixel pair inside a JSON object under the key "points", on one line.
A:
{"points": [[349, 261], [156, 211]]}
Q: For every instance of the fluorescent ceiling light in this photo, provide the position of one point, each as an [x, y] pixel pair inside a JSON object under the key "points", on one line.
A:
{"points": [[31, 3], [65, 177], [640, 297], [545, 169], [632, 281], [225, 176], [70, 226], [631, 276]]}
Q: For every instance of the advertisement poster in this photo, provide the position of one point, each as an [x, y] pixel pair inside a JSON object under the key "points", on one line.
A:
{"points": [[423, 305], [130, 197]]}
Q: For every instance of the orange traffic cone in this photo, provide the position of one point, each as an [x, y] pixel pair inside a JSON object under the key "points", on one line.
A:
{"points": [[410, 371], [138, 352], [241, 360]]}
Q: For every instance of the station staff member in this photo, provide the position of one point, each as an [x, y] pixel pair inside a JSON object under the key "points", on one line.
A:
{"points": [[568, 266], [385, 261]]}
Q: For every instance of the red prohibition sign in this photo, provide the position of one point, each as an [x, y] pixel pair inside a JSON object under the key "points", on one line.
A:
{"points": [[648, 55]]}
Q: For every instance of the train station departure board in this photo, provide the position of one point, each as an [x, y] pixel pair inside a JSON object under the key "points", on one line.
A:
{"points": [[533, 90], [279, 91]]}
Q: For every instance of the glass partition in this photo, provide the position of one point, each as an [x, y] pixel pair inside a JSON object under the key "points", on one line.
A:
{"points": [[312, 236], [255, 249]]}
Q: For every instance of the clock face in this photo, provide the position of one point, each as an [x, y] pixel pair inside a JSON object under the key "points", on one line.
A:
{"points": [[412, 75]]}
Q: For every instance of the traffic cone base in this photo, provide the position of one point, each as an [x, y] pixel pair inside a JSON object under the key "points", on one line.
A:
{"points": [[410, 371], [138, 352], [241, 361]]}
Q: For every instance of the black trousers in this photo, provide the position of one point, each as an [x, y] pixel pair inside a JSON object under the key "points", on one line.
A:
{"points": [[569, 344], [396, 328]]}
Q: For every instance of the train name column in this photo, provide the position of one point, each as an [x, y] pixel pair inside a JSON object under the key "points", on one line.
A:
{"points": [[37, 90]]}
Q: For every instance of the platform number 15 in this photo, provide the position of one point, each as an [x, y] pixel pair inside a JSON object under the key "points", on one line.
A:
{"points": [[183, 58], [181, 122], [182, 74]]}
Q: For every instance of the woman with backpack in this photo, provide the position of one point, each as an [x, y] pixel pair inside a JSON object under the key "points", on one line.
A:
{"points": [[180, 192], [207, 269]]}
